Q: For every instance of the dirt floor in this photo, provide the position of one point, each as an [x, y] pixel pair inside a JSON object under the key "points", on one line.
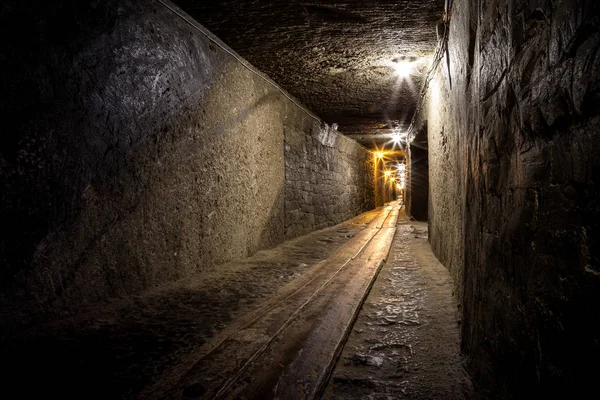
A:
{"points": [[405, 343], [120, 351], [285, 348]]}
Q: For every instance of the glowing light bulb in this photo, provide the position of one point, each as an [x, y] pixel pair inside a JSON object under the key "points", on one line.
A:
{"points": [[379, 154], [398, 136], [387, 173], [403, 69]]}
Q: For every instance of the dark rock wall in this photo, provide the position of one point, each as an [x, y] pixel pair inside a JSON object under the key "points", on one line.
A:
{"points": [[514, 160], [329, 178], [417, 186], [139, 153], [448, 117]]}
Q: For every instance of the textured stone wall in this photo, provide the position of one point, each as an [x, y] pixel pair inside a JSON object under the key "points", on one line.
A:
{"points": [[514, 158], [417, 186], [329, 178], [449, 115], [140, 153]]}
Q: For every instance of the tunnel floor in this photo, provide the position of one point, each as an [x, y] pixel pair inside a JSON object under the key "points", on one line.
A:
{"points": [[270, 326], [405, 343]]}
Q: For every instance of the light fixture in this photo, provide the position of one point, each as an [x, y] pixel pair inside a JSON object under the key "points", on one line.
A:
{"points": [[379, 154], [398, 136], [403, 68]]}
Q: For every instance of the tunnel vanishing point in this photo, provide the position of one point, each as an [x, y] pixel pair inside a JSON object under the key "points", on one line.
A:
{"points": [[168, 168]]}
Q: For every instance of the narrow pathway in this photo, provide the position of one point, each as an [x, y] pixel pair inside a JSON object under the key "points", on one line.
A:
{"points": [[405, 343], [285, 348], [271, 326]]}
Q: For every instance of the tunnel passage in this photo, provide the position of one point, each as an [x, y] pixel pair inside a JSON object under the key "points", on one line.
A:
{"points": [[147, 150], [389, 176], [144, 150]]}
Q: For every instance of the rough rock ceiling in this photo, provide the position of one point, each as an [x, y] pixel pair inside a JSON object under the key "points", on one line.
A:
{"points": [[337, 57]]}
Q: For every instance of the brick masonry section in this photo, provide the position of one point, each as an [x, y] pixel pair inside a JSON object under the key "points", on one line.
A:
{"points": [[328, 179]]}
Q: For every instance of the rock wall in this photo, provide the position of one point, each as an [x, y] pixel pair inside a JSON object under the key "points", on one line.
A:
{"points": [[417, 186], [514, 158], [141, 153], [329, 179], [449, 117]]}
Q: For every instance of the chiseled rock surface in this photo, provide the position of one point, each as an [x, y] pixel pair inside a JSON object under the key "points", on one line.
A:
{"points": [[517, 221], [141, 153]]}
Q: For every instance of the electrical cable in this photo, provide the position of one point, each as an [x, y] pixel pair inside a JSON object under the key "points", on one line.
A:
{"points": [[248, 66], [244, 63], [437, 58]]}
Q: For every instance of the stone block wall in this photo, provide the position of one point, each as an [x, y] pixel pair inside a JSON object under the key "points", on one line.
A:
{"points": [[329, 179], [514, 130], [140, 153]]}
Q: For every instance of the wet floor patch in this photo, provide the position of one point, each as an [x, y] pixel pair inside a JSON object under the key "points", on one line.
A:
{"points": [[405, 342]]}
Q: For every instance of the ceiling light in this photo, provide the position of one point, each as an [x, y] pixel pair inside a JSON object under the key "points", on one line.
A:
{"points": [[403, 68], [398, 137]]}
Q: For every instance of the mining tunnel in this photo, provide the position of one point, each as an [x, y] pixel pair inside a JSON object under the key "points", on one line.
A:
{"points": [[280, 199]]}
